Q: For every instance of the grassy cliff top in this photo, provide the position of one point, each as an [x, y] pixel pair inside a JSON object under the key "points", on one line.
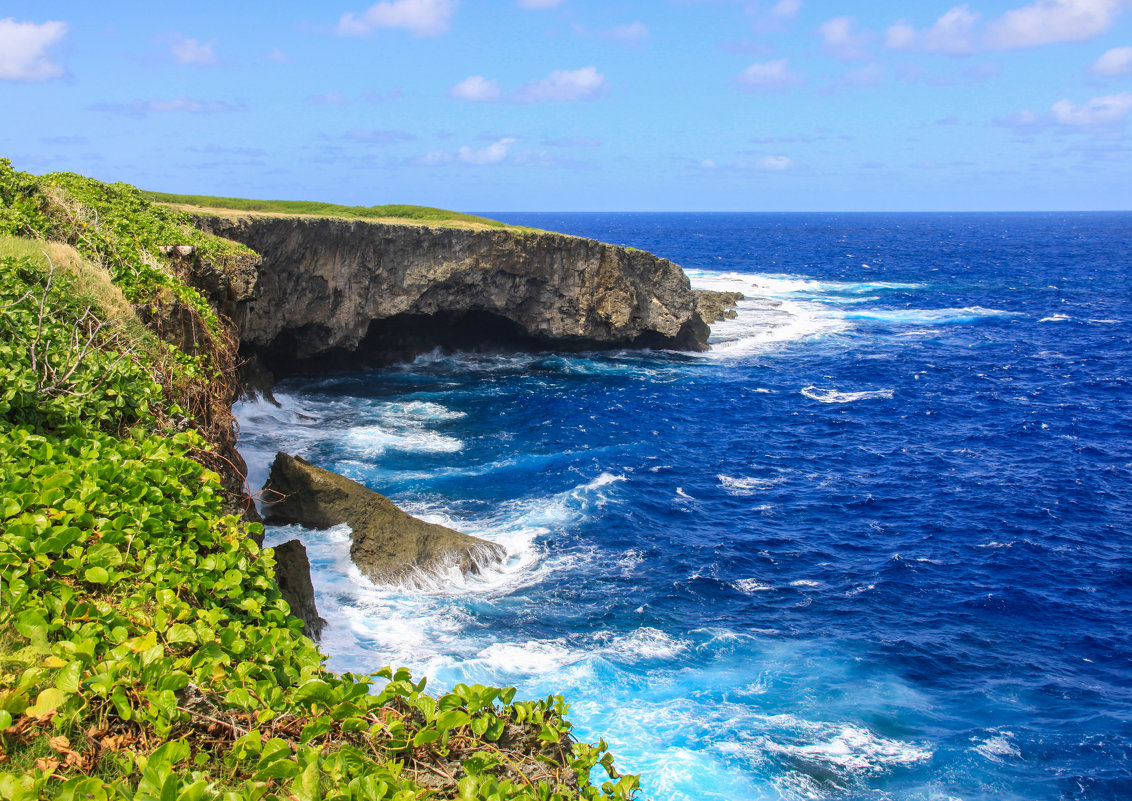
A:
{"points": [[393, 213]]}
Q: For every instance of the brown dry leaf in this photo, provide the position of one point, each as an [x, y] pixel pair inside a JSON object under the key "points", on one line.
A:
{"points": [[60, 743], [113, 743], [47, 764]]}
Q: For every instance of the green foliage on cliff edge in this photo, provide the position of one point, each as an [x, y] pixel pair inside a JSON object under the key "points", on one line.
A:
{"points": [[426, 214], [145, 650]]}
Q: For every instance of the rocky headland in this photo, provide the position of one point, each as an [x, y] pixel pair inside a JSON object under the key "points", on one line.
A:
{"points": [[337, 293]]}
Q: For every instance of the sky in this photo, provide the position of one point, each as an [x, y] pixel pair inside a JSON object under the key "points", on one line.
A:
{"points": [[579, 105]]}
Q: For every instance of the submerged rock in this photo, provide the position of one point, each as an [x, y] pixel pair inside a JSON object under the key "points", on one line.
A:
{"points": [[386, 544], [293, 575]]}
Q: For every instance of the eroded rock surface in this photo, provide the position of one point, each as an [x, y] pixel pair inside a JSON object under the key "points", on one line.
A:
{"points": [[293, 575], [387, 544], [336, 292], [714, 306]]}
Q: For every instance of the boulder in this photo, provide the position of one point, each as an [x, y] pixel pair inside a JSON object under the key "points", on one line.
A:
{"points": [[386, 544], [293, 575]]}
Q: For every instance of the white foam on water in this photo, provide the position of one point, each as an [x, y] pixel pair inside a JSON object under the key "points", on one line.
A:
{"points": [[967, 314], [751, 586], [837, 396], [644, 644], [805, 583], [373, 441], [1057, 318], [744, 486], [847, 751], [998, 748]]}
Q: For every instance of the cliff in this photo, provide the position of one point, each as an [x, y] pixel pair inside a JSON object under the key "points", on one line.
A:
{"points": [[337, 292]]}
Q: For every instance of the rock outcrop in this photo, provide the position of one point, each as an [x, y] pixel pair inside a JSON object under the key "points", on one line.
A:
{"points": [[387, 544], [336, 293], [293, 575], [714, 306]]}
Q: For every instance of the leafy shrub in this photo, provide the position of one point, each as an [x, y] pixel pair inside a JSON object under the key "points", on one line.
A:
{"points": [[145, 649]]}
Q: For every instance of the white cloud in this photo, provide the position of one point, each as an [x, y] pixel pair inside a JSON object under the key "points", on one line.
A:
{"points": [[953, 32], [422, 17], [708, 164], [277, 55], [842, 42], [633, 33], [768, 76], [476, 88], [492, 154], [786, 9], [1117, 61], [774, 163], [23, 50], [563, 85], [1098, 112], [190, 51], [900, 36], [1022, 121], [539, 3], [1047, 21]]}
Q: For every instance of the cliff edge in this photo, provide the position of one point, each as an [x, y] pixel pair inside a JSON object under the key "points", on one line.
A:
{"points": [[337, 292]]}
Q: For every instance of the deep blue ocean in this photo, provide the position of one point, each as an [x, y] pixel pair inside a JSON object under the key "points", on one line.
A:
{"points": [[876, 544]]}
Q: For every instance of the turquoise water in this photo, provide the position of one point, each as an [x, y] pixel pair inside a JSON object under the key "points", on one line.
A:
{"points": [[875, 544]]}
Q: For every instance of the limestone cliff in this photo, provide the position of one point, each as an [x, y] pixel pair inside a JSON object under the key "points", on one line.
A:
{"points": [[340, 292]]}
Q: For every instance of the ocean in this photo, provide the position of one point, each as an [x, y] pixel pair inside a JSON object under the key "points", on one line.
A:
{"points": [[875, 544]]}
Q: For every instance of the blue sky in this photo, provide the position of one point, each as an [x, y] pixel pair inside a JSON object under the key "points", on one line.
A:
{"points": [[560, 105]]}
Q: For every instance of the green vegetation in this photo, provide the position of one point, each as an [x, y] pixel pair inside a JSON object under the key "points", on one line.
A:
{"points": [[145, 649], [425, 214]]}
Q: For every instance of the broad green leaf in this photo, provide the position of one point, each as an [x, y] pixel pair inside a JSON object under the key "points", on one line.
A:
{"points": [[96, 575]]}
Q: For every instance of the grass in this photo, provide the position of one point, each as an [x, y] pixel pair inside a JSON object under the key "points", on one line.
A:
{"points": [[423, 214]]}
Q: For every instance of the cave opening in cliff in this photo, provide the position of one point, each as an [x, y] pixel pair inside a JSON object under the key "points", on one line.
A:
{"points": [[403, 337]]}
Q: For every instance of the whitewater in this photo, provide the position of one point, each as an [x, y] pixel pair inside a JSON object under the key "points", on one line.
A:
{"points": [[873, 544]]}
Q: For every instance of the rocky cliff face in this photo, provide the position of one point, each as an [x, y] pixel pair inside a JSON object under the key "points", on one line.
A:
{"points": [[336, 292]]}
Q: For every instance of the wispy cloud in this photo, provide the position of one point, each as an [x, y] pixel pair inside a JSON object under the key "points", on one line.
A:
{"points": [[1113, 63], [1048, 21], [560, 86], [492, 154], [952, 33], [563, 86], [537, 4], [842, 42], [1100, 112], [277, 55], [633, 34], [24, 50], [768, 76], [477, 89], [190, 51], [774, 18], [420, 17], [142, 108]]}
